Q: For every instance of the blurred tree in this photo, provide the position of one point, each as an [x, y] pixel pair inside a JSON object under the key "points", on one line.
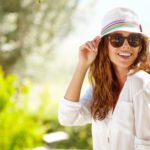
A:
{"points": [[20, 129], [30, 27]]}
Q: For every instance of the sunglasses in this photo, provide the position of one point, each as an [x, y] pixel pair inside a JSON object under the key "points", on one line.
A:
{"points": [[118, 39]]}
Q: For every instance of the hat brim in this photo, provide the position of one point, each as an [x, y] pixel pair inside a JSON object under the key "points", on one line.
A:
{"points": [[128, 29]]}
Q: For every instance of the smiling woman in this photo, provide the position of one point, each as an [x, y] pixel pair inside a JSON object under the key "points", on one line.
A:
{"points": [[117, 102], [122, 52]]}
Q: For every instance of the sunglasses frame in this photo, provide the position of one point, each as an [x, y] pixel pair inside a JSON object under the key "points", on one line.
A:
{"points": [[110, 37]]}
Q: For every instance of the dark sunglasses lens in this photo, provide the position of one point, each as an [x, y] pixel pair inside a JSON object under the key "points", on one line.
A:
{"points": [[116, 40], [134, 40]]}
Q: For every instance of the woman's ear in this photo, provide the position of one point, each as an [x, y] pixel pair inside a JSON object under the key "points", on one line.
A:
{"points": [[140, 49]]}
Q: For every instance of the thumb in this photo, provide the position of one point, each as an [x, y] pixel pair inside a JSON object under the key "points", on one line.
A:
{"points": [[97, 40]]}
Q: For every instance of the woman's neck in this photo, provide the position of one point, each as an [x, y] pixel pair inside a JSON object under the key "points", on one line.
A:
{"points": [[121, 76]]}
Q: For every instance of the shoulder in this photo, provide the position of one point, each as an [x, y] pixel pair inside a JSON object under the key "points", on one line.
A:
{"points": [[139, 81], [140, 78]]}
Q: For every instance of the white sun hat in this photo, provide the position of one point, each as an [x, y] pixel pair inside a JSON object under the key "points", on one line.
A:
{"points": [[121, 19]]}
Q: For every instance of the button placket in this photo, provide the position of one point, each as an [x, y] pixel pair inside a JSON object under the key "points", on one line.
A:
{"points": [[108, 139]]}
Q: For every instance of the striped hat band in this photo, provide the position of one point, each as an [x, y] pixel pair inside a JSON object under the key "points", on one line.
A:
{"points": [[119, 24]]}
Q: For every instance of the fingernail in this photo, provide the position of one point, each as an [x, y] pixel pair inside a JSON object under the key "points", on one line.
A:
{"points": [[98, 38]]}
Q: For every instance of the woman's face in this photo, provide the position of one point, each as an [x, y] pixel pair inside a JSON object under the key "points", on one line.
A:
{"points": [[123, 56]]}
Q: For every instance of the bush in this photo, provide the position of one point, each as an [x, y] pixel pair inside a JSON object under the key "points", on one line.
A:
{"points": [[18, 128], [22, 127]]}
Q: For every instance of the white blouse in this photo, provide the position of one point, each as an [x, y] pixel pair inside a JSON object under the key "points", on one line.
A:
{"points": [[127, 128]]}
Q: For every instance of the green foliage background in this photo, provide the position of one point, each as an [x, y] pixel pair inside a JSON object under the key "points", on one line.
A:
{"points": [[22, 128], [29, 32], [18, 128]]}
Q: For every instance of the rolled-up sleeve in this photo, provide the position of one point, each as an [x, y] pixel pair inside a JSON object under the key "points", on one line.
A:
{"points": [[75, 113], [141, 103]]}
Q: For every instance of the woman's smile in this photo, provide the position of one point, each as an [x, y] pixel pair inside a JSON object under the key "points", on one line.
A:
{"points": [[124, 55]]}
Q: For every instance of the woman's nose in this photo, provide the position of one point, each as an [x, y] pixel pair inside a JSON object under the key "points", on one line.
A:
{"points": [[126, 45]]}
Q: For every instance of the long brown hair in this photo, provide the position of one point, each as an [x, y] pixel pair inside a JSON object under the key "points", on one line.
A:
{"points": [[104, 81]]}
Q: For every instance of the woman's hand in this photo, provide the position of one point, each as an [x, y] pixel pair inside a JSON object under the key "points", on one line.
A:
{"points": [[87, 54], [88, 51]]}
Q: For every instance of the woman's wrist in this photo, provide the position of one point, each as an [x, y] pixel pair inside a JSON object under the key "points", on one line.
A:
{"points": [[83, 66]]}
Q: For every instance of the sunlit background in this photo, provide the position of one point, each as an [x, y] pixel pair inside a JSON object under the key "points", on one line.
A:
{"points": [[39, 42]]}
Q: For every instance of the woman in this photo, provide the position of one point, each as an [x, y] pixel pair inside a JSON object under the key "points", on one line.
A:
{"points": [[118, 101]]}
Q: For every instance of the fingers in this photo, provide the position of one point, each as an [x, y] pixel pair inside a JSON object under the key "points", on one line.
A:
{"points": [[84, 46], [94, 43], [97, 39], [91, 45], [88, 45]]}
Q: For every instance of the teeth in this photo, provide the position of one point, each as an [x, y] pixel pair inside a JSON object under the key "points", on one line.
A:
{"points": [[124, 54]]}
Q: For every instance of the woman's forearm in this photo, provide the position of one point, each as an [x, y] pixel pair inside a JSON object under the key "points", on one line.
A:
{"points": [[74, 88]]}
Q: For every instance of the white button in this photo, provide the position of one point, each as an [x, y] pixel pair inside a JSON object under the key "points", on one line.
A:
{"points": [[108, 139]]}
